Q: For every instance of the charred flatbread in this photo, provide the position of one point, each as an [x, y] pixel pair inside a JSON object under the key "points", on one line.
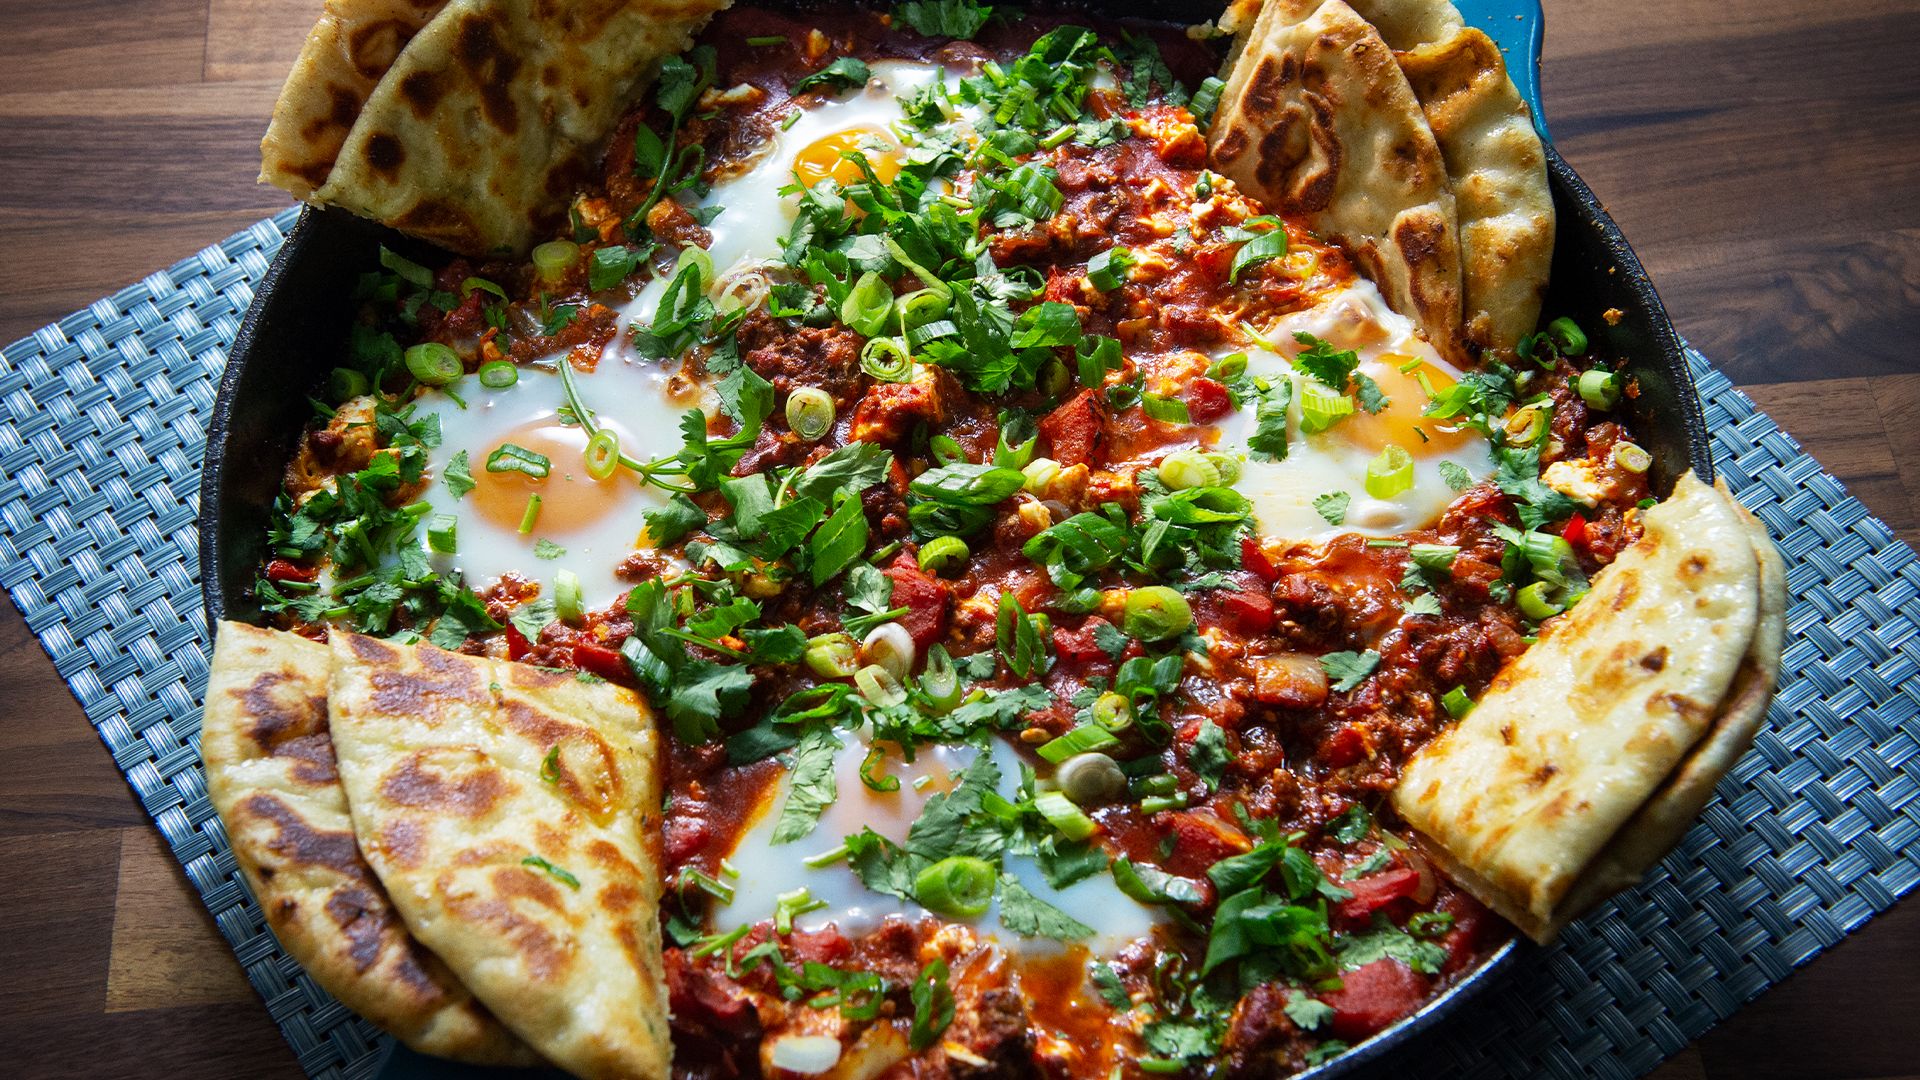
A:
{"points": [[513, 814], [1591, 753], [270, 774], [475, 135], [1317, 120]]}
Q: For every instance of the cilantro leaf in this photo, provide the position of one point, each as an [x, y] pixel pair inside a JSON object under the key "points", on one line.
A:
{"points": [[676, 519], [1106, 982], [1386, 941], [840, 540], [458, 475], [854, 467], [1269, 439], [844, 73], [811, 787], [1424, 604], [544, 548], [465, 616], [957, 19], [612, 265], [531, 618], [1456, 476], [933, 1005], [1323, 363], [1029, 916], [1354, 824], [1347, 669], [701, 693], [1208, 755], [1308, 1014], [1333, 506], [1372, 398]]}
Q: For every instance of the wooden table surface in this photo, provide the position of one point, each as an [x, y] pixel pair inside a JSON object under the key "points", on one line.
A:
{"points": [[1764, 157]]}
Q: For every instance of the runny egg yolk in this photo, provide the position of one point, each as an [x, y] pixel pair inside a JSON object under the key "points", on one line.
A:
{"points": [[1400, 422], [569, 497], [825, 158]]}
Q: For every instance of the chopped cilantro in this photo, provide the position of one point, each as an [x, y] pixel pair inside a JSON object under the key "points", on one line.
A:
{"points": [[1347, 669]]}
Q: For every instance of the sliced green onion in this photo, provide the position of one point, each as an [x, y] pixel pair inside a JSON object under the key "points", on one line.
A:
{"points": [[787, 905], [1321, 406], [959, 887], [530, 515], [941, 552], [886, 359], [1090, 778], [1157, 784], [443, 533], [870, 770], [1039, 474], [940, 682], [1156, 613], [483, 285], [810, 412], [566, 597], [1227, 465], [878, 686], [1165, 409], [1055, 378], [1567, 336], [1108, 270], [1536, 603], [1113, 711], [1153, 804], [890, 646], [433, 363], [553, 258], [696, 259], [825, 858], [833, 656], [498, 374], [512, 457], [406, 268], [1632, 457], [868, 305], [917, 309], [944, 450], [346, 383], [1184, 469], [1549, 555], [1600, 389], [1070, 820], [1391, 473], [767, 39], [1078, 741], [603, 453], [1457, 702], [1526, 426]]}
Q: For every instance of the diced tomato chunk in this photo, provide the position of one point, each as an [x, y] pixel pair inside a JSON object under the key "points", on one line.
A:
{"points": [[1254, 557], [1576, 532], [1372, 997], [1247, 611], [925, 597], [1201, 838], [823, 946], [684, 835], [600, 660], [1345, 746], [1471, 922], [1207, 400], [1376, 892], [517, 645], [707, 997], [1082, 645], [282, 570], [1076, 432]]}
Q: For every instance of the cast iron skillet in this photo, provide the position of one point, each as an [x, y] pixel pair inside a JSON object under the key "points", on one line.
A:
{"points": [[295, 333]]}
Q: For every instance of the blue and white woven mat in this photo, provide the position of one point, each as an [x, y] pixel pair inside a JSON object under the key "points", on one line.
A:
{"points": [[102, 424]]}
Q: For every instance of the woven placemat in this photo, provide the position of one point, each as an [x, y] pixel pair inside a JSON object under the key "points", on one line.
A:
{"points": [[102, 424]]}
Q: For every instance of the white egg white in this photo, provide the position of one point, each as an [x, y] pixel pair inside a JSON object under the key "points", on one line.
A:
{"points": [[766, 870], [1336, 460]]}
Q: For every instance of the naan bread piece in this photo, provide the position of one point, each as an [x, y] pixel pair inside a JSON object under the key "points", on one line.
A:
{"points": [[270, 774], [482, 127], [1630, 702], [1317, 121], [347, 52], [513, 814], [1494, 159]]}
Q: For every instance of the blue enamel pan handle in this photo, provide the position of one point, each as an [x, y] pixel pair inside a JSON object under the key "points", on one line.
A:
{"points": [[1517, 26]]}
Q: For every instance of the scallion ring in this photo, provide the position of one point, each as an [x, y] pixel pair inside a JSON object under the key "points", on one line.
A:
{"points": [[940, 682], [1536, 603], [832, 656], [554, 258], [1567, 336], [1632, 457], [1113, 711], [1321, 406], [433, 363], [942, 552], [346, 383], [1156, 613], [920, 308], [878, 686], [1526, 426], [566, 597], [1391, 473], [603, 453], [498, 374], [886, 359], [1226, 464], [891, 647], [1184, 469], [1600, 389], [810, 412], [959, 887], [1060, 813]]}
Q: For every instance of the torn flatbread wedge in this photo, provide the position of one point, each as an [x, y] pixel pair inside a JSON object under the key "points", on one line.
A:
{"points": [[345, 55], [270, 774], [1590, 754], [513, 814], [487, 118], [1317, 121], [1495, 163]]}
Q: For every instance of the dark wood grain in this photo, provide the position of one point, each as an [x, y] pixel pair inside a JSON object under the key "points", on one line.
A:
{"points": [[1764, 157]]}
